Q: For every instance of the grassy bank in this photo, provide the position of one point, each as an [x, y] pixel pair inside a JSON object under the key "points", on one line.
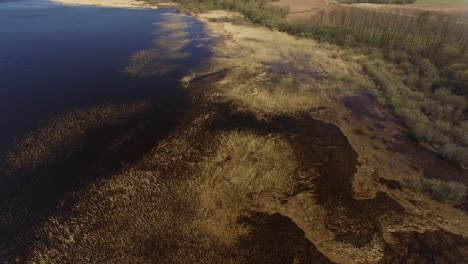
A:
{"points": [[428, 54]]}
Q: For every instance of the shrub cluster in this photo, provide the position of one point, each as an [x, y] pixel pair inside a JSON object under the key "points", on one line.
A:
{"points": [[434, 116], [446, 192]]}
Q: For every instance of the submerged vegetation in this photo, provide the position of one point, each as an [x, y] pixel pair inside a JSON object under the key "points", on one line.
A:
{"points": [[162, 58], [428, 55], [62, 135]]}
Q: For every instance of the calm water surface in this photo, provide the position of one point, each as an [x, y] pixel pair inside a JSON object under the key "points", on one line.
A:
{"points": [[55, 59]]}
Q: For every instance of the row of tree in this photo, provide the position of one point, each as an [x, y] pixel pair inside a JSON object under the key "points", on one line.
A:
{"points": [[442, 40], [430, 91]]}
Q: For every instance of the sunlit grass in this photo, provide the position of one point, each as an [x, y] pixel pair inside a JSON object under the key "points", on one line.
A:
{"points": [[246, 173], [274, 73]]}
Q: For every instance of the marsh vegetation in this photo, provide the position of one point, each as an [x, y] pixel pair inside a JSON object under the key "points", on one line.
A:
{"points": [[278, 149], [425, 54]]}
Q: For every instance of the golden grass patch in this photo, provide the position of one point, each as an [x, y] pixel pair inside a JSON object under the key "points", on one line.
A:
{"points": [[144, 214], [275, 73], [246, 173]]}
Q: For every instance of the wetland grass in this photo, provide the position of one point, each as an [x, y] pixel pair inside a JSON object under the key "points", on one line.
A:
{"points": [[63, 134]]}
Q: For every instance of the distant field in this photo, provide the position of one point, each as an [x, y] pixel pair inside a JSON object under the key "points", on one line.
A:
{"points": [[300, 9], [442, 2], [301, 5], [452, 7]]}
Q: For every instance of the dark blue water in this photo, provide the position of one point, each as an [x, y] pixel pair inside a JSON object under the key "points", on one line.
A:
{"points": [[56, 58]]}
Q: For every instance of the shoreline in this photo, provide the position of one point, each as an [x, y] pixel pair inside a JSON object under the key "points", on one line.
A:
{"points": [[325, 165], [132, 4]]}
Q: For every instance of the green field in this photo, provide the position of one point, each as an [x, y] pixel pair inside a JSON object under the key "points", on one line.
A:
{"points": [[445, 2]]}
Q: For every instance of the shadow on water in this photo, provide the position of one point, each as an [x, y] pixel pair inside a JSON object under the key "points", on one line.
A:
{"points": [[30, 195]]}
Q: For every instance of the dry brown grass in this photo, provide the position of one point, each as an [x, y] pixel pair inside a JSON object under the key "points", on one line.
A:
{"points": [[169, 209], [274, 73], [63, 134], [246, 173], [264, 94], [144, 214]]}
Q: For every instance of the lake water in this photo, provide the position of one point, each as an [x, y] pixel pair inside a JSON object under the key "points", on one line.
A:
{"points": [[56, 59]]}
